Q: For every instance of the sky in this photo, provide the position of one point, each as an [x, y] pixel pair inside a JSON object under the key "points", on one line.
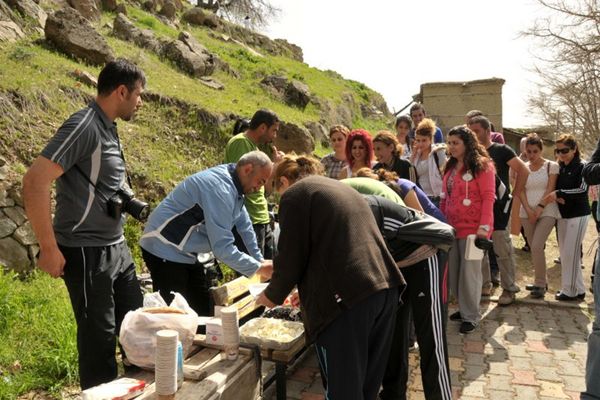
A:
{"points": [[395, 46]]}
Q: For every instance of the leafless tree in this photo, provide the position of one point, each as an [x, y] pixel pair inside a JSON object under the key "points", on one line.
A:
{"points": [[568, 94], [252, 13]]}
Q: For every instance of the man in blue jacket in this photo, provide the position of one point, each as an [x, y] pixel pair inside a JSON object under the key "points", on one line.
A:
{"points": [[195, 222]]}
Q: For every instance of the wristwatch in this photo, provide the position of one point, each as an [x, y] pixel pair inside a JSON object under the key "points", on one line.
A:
{"points": [[485, 227]]}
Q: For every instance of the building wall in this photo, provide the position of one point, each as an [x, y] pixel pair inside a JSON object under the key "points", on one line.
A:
{"points": [[448, 102]]}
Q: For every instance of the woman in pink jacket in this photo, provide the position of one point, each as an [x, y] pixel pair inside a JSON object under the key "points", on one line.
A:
{"points": [[467, 201]]}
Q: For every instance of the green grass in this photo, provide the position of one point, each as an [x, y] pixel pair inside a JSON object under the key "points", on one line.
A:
{"points": [[38, 349]]}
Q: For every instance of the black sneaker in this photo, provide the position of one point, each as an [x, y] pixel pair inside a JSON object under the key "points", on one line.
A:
{"points": [[456, 316], [467, 327], [531, 286], [563, 297], [538, 292]]}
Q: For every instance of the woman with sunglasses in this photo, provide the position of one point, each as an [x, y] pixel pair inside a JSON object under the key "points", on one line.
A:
{"points": [[537, 217], [572, 198], [467, 201], [334, 162], [359, 153]]}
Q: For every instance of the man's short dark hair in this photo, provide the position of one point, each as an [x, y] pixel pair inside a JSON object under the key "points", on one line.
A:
{"points": [[416, 107], [119, 72], [481, 120], [263, 116], [473, 113]]}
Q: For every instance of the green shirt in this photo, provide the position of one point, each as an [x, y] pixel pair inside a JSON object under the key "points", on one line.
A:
{"points": [[256, 203], [372, 186]]}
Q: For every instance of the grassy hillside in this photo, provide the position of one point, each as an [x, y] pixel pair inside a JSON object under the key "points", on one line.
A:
{"points": [[167, 141]]}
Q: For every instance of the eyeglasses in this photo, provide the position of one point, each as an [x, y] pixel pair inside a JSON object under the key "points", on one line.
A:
{"points": [[564, 150]]}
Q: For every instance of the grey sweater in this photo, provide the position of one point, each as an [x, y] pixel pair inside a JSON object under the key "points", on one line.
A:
{"points": [[330, 246]]}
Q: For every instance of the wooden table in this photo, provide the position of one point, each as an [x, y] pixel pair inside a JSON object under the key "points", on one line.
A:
{"points": [[209, 376]]}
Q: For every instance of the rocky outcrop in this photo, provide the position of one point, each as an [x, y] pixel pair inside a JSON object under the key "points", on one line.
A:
{"points": [[18, 245], [194, 16], [9, 31], [124, 29], [197, 16], [71, 33], [297, 94], [85, 77], [319, 133], [277, 82], [294, 138], [88, 8], [190, 56], [30, 10], [278, 47], [110, 5], [332, 114], [294, 93], [168, 10]]}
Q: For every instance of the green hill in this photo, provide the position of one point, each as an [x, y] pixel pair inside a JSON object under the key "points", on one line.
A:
{"points": [[182, 128]]}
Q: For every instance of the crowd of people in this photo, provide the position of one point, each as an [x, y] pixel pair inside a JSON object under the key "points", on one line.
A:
{"points": [[376, 236]]}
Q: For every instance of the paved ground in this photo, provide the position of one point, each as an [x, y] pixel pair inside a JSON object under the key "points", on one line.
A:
{"points": [[524, 351]]}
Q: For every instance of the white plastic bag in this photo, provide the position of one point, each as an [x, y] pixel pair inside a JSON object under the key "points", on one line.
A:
{"points": [[138, 330]]}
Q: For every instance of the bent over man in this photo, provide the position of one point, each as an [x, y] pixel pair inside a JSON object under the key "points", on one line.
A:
{"points": [[196, 220]]}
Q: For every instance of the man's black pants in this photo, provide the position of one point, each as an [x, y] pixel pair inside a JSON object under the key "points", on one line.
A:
{"points": [[189, 280], [425, 298], [352, 347], [103, 287]]}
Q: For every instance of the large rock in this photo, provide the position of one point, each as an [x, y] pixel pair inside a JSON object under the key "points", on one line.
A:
{"points": [[88, 8], [294, 138], [190, 56], [169, 10], [7, 226], [74, 35], [318, 132], [14, 256], [124, 29], [109, 5], [30, 10], [370, 111], [16, 214], [297, 94], [10, 32], [333, 114], [277, 82], [211, 21], [24, 234], [194, 16]]}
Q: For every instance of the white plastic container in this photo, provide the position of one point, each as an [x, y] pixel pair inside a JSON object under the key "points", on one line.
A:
{"points": [[472, 252]]}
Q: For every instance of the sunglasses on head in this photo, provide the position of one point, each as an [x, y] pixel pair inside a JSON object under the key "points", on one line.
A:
{"points": [[564, 150]]}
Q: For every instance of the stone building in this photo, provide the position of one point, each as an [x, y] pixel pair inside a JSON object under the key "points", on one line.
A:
{"points": [[448, 102]]}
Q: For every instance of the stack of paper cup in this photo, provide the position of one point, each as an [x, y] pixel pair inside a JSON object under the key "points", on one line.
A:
{"points": [[231, 332], [166, 363]]}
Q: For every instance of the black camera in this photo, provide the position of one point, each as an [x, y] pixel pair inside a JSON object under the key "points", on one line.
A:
{"points": [[124, 201], [484, 244]]}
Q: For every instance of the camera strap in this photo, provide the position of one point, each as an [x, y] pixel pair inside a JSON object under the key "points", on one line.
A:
{"points": [[87, 178]]}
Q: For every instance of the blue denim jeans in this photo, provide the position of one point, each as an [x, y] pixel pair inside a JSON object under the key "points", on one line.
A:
{"points": [[592, 369]]}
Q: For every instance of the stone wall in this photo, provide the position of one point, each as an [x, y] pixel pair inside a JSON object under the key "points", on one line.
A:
{"points": [[18, 246], [448, 102]]}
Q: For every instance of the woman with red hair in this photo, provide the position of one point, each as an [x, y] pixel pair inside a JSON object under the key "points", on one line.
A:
{"points": [[359, 153]]}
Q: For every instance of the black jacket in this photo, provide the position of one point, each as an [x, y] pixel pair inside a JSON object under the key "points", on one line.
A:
{"points": [[571, 187], [591, 170]]}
